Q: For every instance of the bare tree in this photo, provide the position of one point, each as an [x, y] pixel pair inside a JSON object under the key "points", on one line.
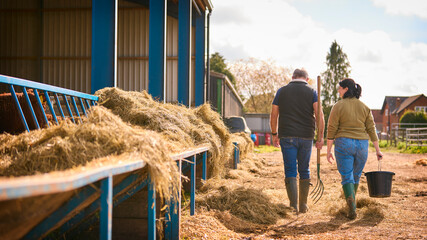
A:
{"points": [[257, 82]]}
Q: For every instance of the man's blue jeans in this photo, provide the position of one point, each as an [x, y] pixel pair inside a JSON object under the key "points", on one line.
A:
{"points": [[296, 154], [351, 155]]}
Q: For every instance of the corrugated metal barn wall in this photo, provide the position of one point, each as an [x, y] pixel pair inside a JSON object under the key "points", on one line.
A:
{"points": [[50, 41], [132, 47], [172, 61], [67, 30], [232, 106], [19, 38]]}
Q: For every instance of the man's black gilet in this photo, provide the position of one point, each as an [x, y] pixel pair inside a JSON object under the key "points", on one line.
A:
{"points": [[296, 113]]}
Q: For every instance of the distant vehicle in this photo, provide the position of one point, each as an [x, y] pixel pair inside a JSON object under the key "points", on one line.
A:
{"points": [[237, 124]]}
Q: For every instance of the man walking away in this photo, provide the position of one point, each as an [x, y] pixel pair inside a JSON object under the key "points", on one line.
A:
{"points": [[292, 120]]}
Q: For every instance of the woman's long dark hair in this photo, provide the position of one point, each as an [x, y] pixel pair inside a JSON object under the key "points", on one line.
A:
{"points": [[354, 89]]}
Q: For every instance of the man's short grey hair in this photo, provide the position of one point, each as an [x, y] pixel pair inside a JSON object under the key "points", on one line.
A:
{"points": [[300, 73]]}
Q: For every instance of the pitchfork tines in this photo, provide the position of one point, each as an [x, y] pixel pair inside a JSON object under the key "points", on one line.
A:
{"points": [[317, 192]]}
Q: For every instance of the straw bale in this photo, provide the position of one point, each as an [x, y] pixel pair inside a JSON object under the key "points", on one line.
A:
{"points": [[246, 145], [102, 137], [185, 126]]}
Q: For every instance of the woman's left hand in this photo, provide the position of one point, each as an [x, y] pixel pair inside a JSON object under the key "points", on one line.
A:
{"points": [[379, 155], [329, 156]]}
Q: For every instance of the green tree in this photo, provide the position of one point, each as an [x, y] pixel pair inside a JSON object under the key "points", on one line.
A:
{"points": [[217, 64], [338, 68], [414, 117]]}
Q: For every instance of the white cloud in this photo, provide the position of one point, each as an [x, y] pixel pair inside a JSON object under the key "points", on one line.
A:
{"points": [[278, 31], [405, 8]]}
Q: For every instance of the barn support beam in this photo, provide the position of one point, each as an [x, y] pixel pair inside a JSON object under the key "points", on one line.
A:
{"points": [[104, 44], [106, 213], [157, 49], [199, 85], [184, 51]]}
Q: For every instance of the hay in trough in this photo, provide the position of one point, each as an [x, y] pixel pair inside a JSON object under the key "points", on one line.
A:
{"points": [[185, 126], [245, 143], [102, 136]]}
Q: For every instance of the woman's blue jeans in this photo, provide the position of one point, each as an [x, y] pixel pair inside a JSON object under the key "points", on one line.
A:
{"points": [[296, 155], [351, 155]]}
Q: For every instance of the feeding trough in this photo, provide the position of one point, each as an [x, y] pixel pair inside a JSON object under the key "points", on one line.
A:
{"points": [[379, 182]]}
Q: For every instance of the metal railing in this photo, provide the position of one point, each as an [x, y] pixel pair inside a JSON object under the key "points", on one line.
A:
{"points": [[85, 101], [416, 137]]}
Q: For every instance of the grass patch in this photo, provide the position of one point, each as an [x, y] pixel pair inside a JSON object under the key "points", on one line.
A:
{"points": [[386, 146], [266, 149]]}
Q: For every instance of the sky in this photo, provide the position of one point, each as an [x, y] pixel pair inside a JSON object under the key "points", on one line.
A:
{"points": [[385, 40]]}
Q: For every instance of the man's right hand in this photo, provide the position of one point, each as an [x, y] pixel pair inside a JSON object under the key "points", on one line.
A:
{"points": [[276, 141], [319, 144]]}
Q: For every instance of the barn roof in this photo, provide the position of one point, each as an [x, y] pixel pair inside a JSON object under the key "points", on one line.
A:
{"points": [[391, 102], [406, 103]]}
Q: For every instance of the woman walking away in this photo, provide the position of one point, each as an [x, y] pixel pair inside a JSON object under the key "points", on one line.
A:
{"points": [[351, 125]]}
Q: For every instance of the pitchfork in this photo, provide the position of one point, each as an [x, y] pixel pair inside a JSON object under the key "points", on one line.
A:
{"points": [[317, 192]]}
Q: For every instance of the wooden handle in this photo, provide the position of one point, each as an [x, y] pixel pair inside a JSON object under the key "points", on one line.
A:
{"points": [[319, 82]]}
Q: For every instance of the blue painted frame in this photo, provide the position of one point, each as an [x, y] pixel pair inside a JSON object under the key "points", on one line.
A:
{"points": [[151, 209], [104, 39], [236, 154], [157, 49], [106, 212], [184, 51], [199, 82]]}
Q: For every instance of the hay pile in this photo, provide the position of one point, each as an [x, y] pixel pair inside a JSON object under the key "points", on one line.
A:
{"points": [[246, 145], [101, 135], [421, 162], [184, 126], [248, 204]]}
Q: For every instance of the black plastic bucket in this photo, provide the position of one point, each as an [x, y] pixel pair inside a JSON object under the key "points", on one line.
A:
{"points": [[379, 183]]}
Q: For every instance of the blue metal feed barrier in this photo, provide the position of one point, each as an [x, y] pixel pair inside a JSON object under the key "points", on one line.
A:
{"points": [[76, 211], [48, 91]]}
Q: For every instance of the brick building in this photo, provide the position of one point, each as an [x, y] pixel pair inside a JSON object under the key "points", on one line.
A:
{"points": [[394, 107]]}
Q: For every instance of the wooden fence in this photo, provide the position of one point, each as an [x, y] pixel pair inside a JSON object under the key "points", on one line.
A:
{"points": [[416, 137]]}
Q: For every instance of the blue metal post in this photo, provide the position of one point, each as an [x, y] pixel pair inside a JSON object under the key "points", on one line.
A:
{"points": [[18, 106], [157, 49], [236, 156], [76, 108], [36, 94], [104, 39], [58, 103], [184, 51], [49, 103], [87, 103], [151, 210], [173, 216], [204, 166], [82, 106], [193, 186], [68, 108], [199, 85], [33, 114], [106, 214]]}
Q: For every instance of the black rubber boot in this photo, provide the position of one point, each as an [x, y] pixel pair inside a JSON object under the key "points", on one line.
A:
{"points": [[304, 185], [292, 190]]}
